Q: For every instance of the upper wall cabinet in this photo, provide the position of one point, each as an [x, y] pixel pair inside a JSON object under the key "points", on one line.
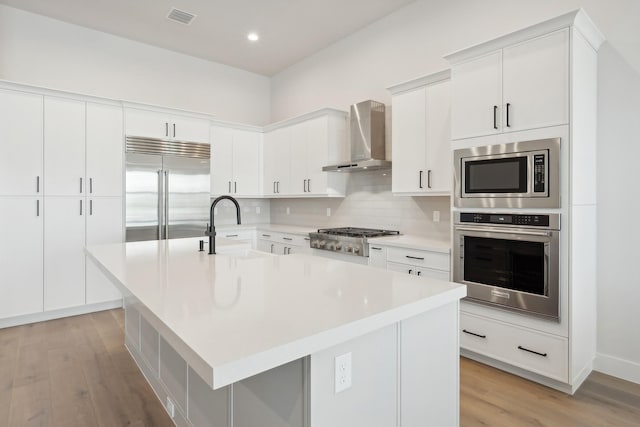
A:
{"points": [[21, 127], [155, 124], [519, 87], [296, 150], [236, 162], [421, 143], [105, 148]]}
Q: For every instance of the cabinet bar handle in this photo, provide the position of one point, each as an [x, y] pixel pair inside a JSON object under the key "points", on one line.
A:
{"points": [[278, 187], [274, 187], [174, 130], [287, 238], [429, 178], [474, 334], [307, 238], [531, 351], [37, 207], [235, 187], [495, 117], [81, 207], [420, 179], [231, 235], [90, 207], [376, 249], [229, 187], [37, 184], [508, 108], [272, 248], [415, 257], [410, 270], [91, 185], [80, 185], [418, 273], [304, 185], [166, 129], [309, 185], [266, 235]]}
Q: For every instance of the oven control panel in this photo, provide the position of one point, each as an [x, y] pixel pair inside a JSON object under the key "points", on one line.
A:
{"points": [[532, 220]]}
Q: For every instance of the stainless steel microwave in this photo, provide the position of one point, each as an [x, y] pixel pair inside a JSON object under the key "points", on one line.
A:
{"points": [[516, 175]]}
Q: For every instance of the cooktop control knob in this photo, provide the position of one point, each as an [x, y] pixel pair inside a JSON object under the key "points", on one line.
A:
{"points": [[338, 246], [331, 245], [356, 249], [322, 244]]}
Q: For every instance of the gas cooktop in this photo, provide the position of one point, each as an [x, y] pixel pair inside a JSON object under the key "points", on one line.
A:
{"points": [[348, 240]]}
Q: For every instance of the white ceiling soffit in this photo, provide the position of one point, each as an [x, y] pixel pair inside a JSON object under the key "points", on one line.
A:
{"points": [[289, 30]]}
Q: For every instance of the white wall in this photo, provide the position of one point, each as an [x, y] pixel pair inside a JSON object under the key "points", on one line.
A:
{"points": [[45, 52], [412, 41]]}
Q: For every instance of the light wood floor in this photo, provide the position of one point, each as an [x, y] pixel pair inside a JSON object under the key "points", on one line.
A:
{"points": [[76, 372]]}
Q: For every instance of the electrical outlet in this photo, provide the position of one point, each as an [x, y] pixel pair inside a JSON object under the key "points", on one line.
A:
{"points": [[288, 210], [328, 211], [171, 408], [343, 372], [257, 210], [436, 216]]}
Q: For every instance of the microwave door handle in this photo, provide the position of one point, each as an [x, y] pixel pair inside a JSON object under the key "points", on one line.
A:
{"points": [[525, 233]]}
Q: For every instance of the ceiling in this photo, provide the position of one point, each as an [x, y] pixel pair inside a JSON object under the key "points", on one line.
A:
{"points": [[289, 30]]}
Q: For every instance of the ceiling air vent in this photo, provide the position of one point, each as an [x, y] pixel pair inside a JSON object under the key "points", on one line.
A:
{"points": [[181, 16]]}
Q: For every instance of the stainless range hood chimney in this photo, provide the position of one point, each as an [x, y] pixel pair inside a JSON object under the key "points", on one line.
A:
{"points": [[367, 139]]}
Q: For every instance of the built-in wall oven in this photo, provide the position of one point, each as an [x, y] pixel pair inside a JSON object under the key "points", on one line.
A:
{"points": [[510, 260], [522, 174]]}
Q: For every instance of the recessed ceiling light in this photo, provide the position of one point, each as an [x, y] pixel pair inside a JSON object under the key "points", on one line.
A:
{"points": [[254, 37]]}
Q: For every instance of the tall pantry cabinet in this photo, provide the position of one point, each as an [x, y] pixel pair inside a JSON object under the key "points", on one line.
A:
{"points": [[61, 189]]}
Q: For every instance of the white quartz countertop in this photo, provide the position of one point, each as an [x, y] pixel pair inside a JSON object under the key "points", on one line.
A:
{"points": [[412, 242], [242, 312]]}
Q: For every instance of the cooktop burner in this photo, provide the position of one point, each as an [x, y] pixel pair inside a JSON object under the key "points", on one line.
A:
{"points": [[357, 232]]}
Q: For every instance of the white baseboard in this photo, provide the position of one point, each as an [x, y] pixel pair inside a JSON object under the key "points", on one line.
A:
{"points": [[616, 367], [57, 314]]}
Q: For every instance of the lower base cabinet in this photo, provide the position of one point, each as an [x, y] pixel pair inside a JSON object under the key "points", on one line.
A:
{"points": [[410, 261], [282, 243]]}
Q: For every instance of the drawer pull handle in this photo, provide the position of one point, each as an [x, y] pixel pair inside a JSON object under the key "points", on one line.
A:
{"points": [[415, 257], [376, 249], [531, 351], [231, 235], [287, 238], [266, 235], [307, 238], [474, 334]]}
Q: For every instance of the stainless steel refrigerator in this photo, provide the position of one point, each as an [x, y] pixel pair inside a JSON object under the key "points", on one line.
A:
{"points": [[167, 189]]}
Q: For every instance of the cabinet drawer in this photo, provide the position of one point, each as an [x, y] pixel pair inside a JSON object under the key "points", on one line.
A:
{"points": [[243, 235], [434, 274], [437, 260], [540, 353], [284, 238]]}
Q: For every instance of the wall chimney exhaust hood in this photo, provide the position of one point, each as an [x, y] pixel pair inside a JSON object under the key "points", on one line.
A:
{"points": [[367, 139]]}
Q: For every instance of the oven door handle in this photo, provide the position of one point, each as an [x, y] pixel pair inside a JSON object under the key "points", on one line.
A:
{"points": [[493, 230]]}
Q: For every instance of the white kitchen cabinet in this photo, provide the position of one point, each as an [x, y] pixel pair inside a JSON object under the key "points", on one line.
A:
{"points": [[104, 224], [416, 261], [418, 271], [21, 255], [421, 147], [64, 258], [277, 161], [21, 128], [378, 256], [64, 146], [235, 162], [522, 86], [105, 150], [282, 243], [153, 124], [295, 153]]}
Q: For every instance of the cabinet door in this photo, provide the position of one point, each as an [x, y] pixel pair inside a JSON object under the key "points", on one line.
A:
{"points": [[246, 163], [401, 268], [378, 256], [270, 151], [189, 129], [64, 239], [21, 228], [221, 161], [434, 274], [317, 155], [278, 162], [439, 175], [266, 246], [21, 127], [476, 90], [408, 146], [104, 225], [299, 156], [104, 150], [147, 123], [64, 146], [536, 82]]}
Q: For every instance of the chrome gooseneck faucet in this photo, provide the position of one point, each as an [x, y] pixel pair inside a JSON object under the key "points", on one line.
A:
{"points": [[211, 232]]}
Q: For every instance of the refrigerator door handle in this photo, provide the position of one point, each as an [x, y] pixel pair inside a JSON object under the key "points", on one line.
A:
{"points": [[166, 204], [160, 202]]}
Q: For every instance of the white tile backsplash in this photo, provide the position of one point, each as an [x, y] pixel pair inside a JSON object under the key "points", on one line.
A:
{"points": [[369, 203], [226, 211]]}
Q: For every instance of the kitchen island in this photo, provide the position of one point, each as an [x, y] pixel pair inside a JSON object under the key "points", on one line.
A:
{"points": [[245, 338]]}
